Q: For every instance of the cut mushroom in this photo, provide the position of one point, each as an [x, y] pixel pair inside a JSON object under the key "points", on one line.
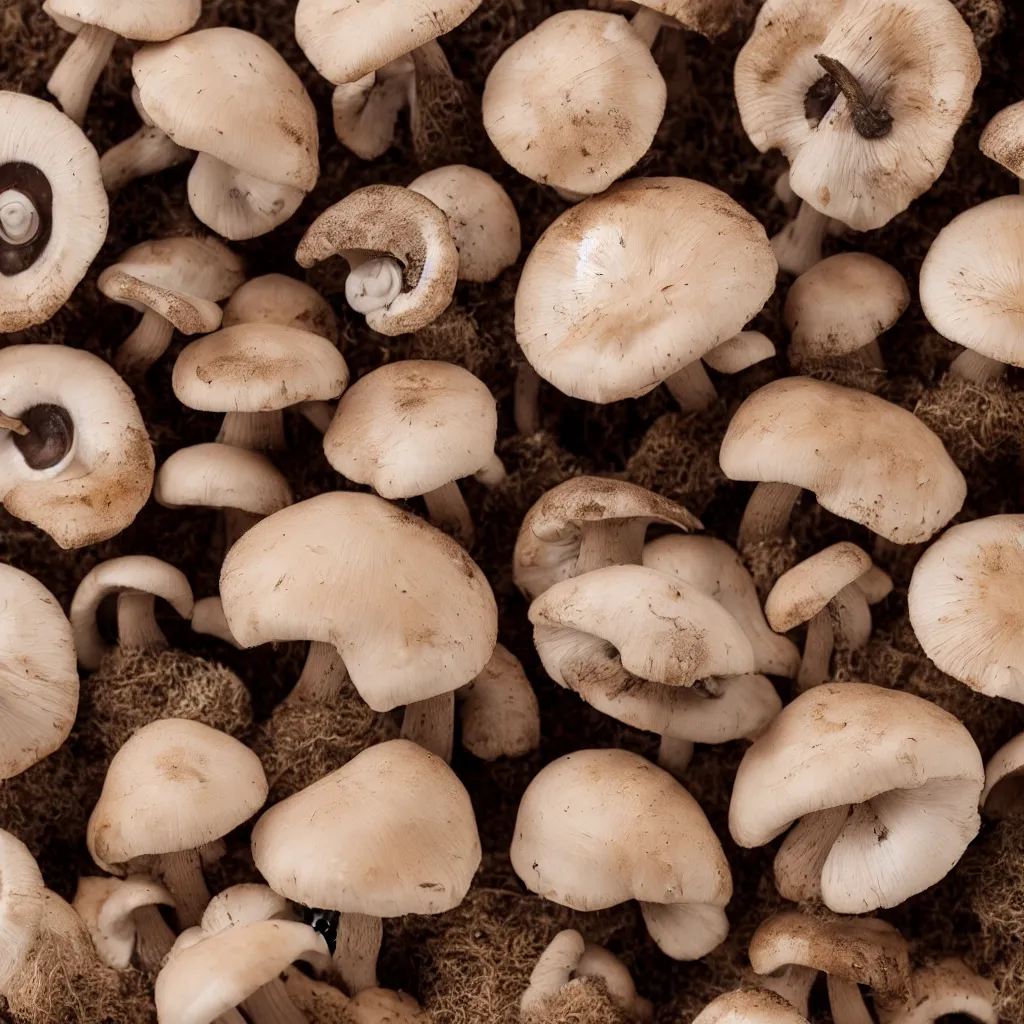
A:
{"points": [[276, 299], [1003, 140]]}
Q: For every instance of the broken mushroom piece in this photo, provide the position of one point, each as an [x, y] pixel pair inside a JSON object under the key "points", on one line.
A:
{"points": [[175, 283], [1003, 795], [277, 299], [749, 1006], [1003, 140], [53, 210], [883, 787], [390, 833], [946, 990]]}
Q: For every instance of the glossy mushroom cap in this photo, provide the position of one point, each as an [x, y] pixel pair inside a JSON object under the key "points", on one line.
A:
{"points": [[151, 23], [1003, 138], [806, 589], [276, 299]]}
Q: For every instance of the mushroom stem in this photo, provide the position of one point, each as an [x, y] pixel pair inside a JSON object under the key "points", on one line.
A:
{"points": [[646, 24], [449, 511], [208, 618], [846, 1002], [975, 367], [257, 431], [675, 755], [431, 724], [148, 151], [691, 386], [526, 406], [794, 983], [438, 116], [801, 857], [271, 1005], [319, 414], [817, 656], [869, 122], [153, 938], [145, 345], [492, 472], [77, 72], [611, 542], [182, 873], [766, 516], [15, 426], [356, 950], [798, 245], [136, 622], [237, 521], [374, 285], [322, 675], [554, 969]]}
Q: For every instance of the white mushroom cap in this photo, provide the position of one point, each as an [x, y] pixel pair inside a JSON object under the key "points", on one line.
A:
{"points": [[53, 209], [965, 604], [38, 676], [257, 368], [599, 827], [412, 426], [739, 353], [910, 770], [1003, 795], [1003, 139], [576, 102], [806, 589], [945, 990], [391, 832], [175, 785], [972, 278], [149, 22], [628, 287], [838, 443], [749, 1006], [104, 478], [276, 299], [481, 218], [410, 613]]}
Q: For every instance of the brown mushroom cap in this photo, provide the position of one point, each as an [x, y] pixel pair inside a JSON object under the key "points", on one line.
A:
{"points": [[1003, 139]]}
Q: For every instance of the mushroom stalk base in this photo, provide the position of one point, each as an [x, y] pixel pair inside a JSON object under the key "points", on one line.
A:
{"points": [[182, 873], [449, 511], [271, 1005], [77, 72], [148, 151], [798, 245], [438, 116], [802, 856], [322, 676], [136, 622], [675, 755], [975, 367], [767, 514], [818, 647], [611, 542], [692, 389], [153, 938], [257, 431], [846, 1002], [431, 724], [526, 405], [145, 345], [355, 954]]}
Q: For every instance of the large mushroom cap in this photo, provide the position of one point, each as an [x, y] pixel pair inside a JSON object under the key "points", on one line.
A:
{"points": [[407, 609], [390, 833], [628, 287], [148, 22], [53, 209], [1003, 139], [277, 299], [865, 459]]}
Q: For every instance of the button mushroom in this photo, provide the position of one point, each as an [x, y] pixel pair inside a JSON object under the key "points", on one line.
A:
{"points": [[1003, 140], [749, 1006], [277, 299]]}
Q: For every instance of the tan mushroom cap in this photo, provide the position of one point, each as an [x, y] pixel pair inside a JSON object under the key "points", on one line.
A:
{"points": [[276, 299], [972, 279], [865, 459], [1003, 795], [38, 674], [628, 287], [390, 833], [148, 22], [576, 102], [257, 368], [749, 1006], [230, 94], [175, 785], [412, 426], [943, 991], [37, 133], [557, 526], [410, 613], [1003, 139]]}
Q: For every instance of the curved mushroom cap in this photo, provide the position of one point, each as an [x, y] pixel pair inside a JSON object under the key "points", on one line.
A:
{"points": [[257, 368], [483, 222], [842, 304], [412, 426], [628, 287], [749, 1006], [396, 222], [276, 299], [806, 589], [182, 279], [230, 94], [865, 459], [105, 473], [972, 279], [38, 675], [739, 353], [175, 785], [222, 476], [150, 22], [53, 209], [558, 524], [916, 58], [576, 102], [1003, 795], [708, 17], [1003, 139], [392, 832], [22, 902], [716, 569], [107, 906], [410, 613], [947, 990], [965, 603], [910, 769]]}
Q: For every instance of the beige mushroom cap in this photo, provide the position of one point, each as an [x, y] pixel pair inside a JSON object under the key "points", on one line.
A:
{"points": [[910, 770], [392, 832], [276, 299], [412, 426], [1003, 795], [410, 613], [175, 785], [839, 443], [148, 22], [1003, 139], [38, 674], [749, 1006], [627, 288], [576, 102], [257, 368], [230, 94], [68, 200], [972, 279], [946, 990]]}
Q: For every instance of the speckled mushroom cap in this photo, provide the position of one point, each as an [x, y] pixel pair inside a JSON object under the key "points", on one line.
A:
{"points": [[149, 22], [628, 287], [412, 426], [806, 589], [1003, 139], [865, 459], [749, 1006], [391, 832], [53, 209], [576, 102], [396, 222], [277, 299], [104, 478]]}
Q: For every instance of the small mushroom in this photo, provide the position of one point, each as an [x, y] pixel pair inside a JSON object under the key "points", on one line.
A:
{"points": [[53, 210], [175, 283], [883, 787], [946, 990], [323, 1002], [1003, 140], [749, 1006], [277, 299]]}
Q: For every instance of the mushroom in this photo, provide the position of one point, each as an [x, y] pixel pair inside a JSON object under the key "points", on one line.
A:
{"points": [[630, 288], [945, 990], [416, 427], [749, 1006], [174, 787], [276, 299], [53, 210], [78, 463], [1003, 795], [403, 260], [390, 833], [587, 523], [864, 100], [883, 787], [323, 1002], [175, 283], [1003, 140]]}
